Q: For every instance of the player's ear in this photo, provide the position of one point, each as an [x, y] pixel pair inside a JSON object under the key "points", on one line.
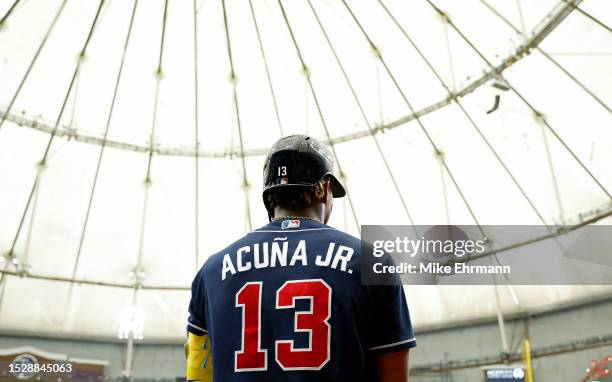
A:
{"points": [[327, 191], [328, 200]]}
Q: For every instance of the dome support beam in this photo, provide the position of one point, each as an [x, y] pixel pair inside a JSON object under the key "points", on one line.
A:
{"points": [[43, 161], [265, 62], [196, 88], [245, 181], [434, 146], [32, 62], [545, 27], [103, 144], [319, 110], [466, 114], [37, 123], [594, 216], [548, 57], [588, 15], [8, 13], [148, 181], [363, 115]]}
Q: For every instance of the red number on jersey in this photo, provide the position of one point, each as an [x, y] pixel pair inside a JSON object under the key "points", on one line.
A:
{"points": [[250, 357], [315, 322]]}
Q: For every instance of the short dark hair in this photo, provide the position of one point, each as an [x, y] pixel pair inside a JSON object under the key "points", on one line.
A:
{"points": [[296, 198]]}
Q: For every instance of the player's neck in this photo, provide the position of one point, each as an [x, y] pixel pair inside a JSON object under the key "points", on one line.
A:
{"points": [[315, 212]]}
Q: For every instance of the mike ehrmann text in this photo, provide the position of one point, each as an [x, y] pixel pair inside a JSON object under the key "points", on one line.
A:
{"points": [[437, 268]]}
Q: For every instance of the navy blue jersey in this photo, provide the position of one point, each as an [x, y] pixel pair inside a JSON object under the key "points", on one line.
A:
{"points": [[286, 303]]}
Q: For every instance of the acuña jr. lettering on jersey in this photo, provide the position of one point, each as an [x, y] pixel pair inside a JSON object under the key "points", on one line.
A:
{"points": [[277, 254]]}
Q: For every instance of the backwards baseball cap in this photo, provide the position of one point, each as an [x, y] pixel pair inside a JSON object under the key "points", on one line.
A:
{"points": [[299, 161]]}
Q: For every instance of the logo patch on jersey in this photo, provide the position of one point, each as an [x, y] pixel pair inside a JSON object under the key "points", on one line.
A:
{"points": [[283, 181], [286, 224]]}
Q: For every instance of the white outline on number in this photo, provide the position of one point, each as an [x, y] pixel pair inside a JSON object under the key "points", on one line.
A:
{"points": [[259, 349], [296, 317]]}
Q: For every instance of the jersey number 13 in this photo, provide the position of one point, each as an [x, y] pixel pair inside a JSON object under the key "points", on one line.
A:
{"points": [[315, 322]]}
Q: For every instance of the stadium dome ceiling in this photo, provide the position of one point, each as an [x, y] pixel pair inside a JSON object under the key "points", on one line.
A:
{"points": [[132, 137]]}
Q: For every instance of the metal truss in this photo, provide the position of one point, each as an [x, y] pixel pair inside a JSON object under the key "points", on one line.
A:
{"points": [[547, 25]]}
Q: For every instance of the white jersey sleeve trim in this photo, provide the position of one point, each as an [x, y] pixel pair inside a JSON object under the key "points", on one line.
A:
{"points": [[393, 344], [197, 327]]}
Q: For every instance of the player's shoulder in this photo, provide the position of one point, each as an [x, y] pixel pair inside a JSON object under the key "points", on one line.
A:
{"points": [[307, 229], [345, 238], [341, 237]]}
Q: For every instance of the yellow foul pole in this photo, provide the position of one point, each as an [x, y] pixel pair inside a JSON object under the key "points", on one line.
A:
{"points": [[527, 361]]}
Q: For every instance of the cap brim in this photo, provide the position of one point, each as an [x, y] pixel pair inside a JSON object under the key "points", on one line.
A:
{"points": [[337, 187]]}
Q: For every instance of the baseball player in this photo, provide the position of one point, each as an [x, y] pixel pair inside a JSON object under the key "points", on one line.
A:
{"points": [[285, 302]]}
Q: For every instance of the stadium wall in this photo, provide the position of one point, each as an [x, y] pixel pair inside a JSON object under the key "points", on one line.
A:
{"points": [[436, 346]]}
